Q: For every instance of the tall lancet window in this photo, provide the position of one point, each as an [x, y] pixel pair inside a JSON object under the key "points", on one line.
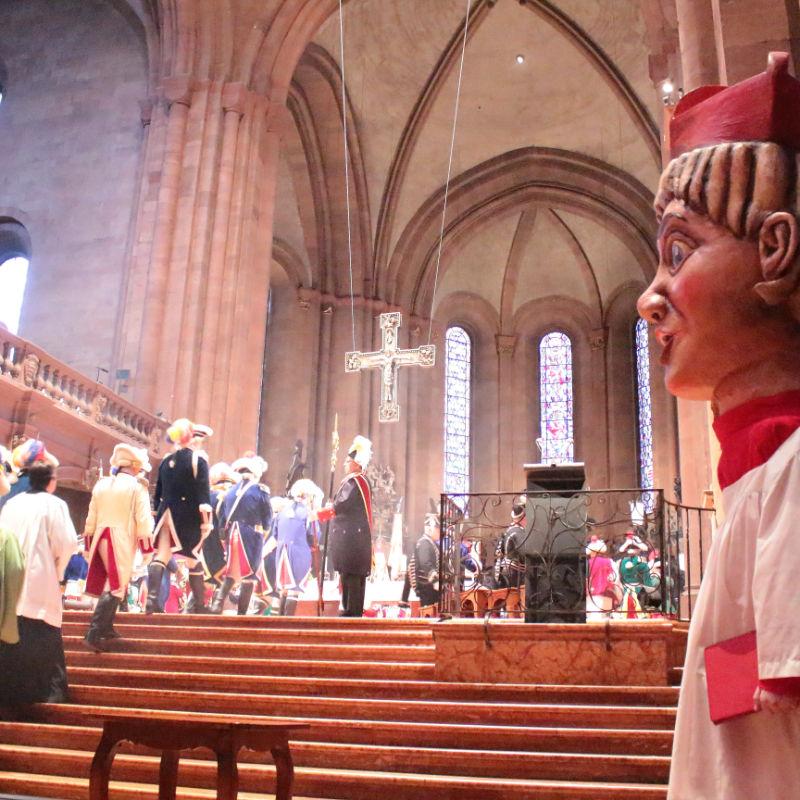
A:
{"points": [[643, 405], [555, 393], [457, 396], [13, 276]]}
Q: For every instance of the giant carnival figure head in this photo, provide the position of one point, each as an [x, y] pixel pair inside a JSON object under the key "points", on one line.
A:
{"points": [[725, 303]]}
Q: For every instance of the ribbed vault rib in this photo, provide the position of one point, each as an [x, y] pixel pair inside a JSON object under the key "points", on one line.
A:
{"points": [[522, 238]]}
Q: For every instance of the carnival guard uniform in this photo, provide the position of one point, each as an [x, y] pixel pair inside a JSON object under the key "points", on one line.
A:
{"points": [[296, 536], [246, 517], [119, 514], [351, 529], [183, 509]]}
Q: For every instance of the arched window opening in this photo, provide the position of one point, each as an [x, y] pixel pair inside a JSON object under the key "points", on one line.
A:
{"points": [[13, 276], [457, 404], [556, 404], [644, 411]]}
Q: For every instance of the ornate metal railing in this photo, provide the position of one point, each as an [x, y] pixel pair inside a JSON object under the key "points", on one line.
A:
{"points": [[569, 557], [32, 368]]}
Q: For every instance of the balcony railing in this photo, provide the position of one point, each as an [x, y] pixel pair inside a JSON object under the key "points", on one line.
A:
{"points": [[29, 368]]}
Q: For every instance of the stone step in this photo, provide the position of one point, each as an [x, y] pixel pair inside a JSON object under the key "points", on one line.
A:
{"points": [[234, 665], [441, 761], [265, 634], [342, 784], [62, 788], [234, 621], [371, 709], [268, 683], [312, 652], [421, 734]]}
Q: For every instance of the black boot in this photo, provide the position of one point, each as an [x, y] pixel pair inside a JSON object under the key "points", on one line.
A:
{"points": [[108, 632], [197, 584], [218, 603], [155, 573], [289, 607], [102, 618], [245, 593]]}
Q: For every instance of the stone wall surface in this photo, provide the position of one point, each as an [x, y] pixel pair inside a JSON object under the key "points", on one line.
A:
{"points": [[71, 139]]}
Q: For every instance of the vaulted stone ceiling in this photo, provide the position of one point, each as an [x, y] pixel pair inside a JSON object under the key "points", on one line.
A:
{"points": [[584, 88]]}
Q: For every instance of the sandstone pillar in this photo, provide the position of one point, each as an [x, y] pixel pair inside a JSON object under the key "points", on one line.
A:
{"points": [[697, 35], [596, 434], [177, 98], [233, 103], [508, 472], [746, 30], [196, 300]]}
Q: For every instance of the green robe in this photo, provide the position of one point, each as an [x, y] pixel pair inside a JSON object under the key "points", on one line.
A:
{"points": [[12, 573]]}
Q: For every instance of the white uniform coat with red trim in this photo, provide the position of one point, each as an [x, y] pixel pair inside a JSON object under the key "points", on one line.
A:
{"points": [[120, 511]]}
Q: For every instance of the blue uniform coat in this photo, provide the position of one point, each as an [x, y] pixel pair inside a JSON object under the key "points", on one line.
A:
{"points": [[181, 491], [246, 509]]}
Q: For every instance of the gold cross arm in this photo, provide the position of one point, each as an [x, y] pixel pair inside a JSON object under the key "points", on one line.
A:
{"points": [[389, 359]]}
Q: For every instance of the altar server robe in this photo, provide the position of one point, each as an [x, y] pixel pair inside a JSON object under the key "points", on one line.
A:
{"points": [[750, 582], [47, 538]]}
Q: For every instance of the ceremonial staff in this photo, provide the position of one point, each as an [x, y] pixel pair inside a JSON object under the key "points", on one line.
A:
{"points": [[321, 571]]}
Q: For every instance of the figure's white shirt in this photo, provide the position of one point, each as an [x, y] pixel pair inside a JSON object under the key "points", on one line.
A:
{"points": [[42, 524], [752, 581]]}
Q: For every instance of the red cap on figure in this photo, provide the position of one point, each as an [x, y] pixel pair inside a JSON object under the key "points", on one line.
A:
{"points": [[764, 108]]}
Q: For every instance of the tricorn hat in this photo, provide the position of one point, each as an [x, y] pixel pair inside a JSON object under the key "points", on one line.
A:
{"points": [[32, 452], [222, 472], [361, 451], [252, 464], [126, 455]]}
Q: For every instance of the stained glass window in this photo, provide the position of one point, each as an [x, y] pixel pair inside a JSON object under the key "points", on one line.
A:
{"points": [[643, 405], [458, 372], [555, 392], [13, 276]]}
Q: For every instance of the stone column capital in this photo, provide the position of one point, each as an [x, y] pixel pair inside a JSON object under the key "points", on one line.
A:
{"points": [[305, 297], [505, 343], [177, 89], [235, 97], [598, 339], [146, 110]]}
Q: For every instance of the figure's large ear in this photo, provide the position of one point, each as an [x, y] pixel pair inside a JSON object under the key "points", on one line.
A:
{"points": [[778, 242]]}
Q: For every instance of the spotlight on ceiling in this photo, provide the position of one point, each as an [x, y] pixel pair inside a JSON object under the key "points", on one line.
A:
{"points": [[667, 87], [520, 59]]}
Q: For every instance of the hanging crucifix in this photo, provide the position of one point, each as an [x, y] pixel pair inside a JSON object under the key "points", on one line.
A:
{"points": [[389, 359]]}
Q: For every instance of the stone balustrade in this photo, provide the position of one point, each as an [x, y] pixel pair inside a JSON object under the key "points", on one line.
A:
{"points": [[77, 417]]}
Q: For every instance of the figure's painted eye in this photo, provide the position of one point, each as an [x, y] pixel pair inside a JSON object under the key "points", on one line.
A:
{"points": [[677, 253]]}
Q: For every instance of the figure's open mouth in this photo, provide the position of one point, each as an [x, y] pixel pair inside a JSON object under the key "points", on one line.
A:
{"points": [[667, 340]]}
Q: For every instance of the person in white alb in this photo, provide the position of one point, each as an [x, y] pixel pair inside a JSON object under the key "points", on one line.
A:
{"points": [[725, 307], [34, 670]]}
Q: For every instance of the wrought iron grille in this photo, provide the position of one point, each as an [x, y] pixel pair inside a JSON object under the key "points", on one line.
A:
{"points": [[589, 555]]}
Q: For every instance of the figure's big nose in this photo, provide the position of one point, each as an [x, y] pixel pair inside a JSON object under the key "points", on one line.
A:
{"points": [[651, 305]]}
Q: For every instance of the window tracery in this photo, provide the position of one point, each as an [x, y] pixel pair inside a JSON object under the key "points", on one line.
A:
{"points": [[457, 403], [556, 401], [644, 411]]}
